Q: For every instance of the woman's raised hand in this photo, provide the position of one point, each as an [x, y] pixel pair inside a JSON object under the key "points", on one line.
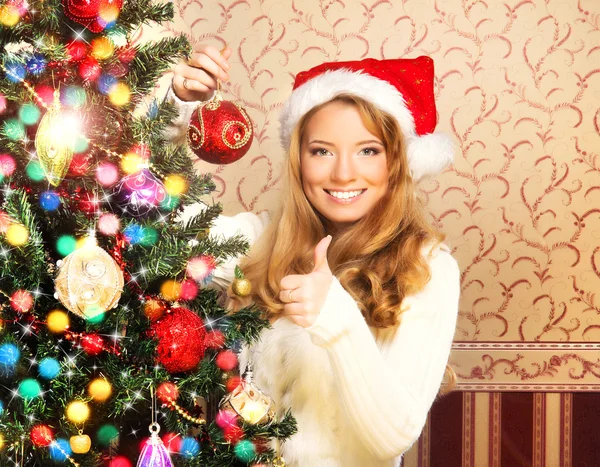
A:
{"points": [[304, 295], [196, 79]]}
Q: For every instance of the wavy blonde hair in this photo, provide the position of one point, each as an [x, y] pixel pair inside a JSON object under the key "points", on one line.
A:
{"points": [[378, 259]]}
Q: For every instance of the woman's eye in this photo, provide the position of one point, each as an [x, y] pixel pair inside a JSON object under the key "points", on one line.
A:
{"points": [[320, 152], [369, 152]]}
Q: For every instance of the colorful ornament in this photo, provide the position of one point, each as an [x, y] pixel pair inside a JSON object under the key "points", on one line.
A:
{"points": [[66, 244], [189, 447], [29, 388], [77, 50], [107, 434], [41, 436], [175, 184], [189, 290], [171, 290], [17, 235], [60, 450], [167, 392], [49, 200], [49, 368], [201, 268], [107, 174], [220, 132], [215, 339], [80, 444], [7, 165], [21, 301], [29, 114], [180, 336], [249, 402], [80, 165], [36, 64], [119, 94], [57, 321], [77, 412], [55, 140], [154, 453], [92, 344], [89, 281], [109, 224], [100, 390], [102, 48], [245, 450], [139, 194], [89, 69], [226, 360], [241, 286], [9, 355]]}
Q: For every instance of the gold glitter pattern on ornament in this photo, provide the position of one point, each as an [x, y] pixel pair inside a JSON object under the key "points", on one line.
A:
{"points": [[247, 131], [195, 136], [89, 282]]}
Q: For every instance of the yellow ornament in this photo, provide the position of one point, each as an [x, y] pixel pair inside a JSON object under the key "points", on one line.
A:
{"points": [[78, 412], [102, 48], [132, 163], [170, 290], [89, 281], [9, 15], [241, 287], [17, 235], [100, 390], [55, 141], [175, 184], [80, 444], [57, 321], [1, 441], [119, 94]]}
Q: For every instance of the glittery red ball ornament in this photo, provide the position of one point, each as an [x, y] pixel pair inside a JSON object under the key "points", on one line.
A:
{"points": [[80, 165], [233, 434], [215, 339], [92, 344], [89, 203], [77, 50], [220, 132], [91, 13], [226, 360], [167, 392], [41, 436], [180, 336], [89, 69]]}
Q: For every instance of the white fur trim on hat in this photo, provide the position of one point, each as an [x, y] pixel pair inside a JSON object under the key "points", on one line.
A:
{"points": [[427, 154]]}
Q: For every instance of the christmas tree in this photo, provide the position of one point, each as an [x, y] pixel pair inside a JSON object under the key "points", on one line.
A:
{"points": [[107, 328]]}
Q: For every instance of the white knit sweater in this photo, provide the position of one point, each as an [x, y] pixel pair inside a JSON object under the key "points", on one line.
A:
{"points": [[360, 395]]}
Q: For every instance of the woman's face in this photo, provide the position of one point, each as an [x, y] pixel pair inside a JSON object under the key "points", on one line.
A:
{"points": [[343, 166]]}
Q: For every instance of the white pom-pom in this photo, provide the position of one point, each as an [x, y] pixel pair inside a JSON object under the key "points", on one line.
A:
{"points": [[429, 155]]}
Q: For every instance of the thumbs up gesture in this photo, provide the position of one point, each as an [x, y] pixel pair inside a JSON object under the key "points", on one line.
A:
{"points": [[304, 295]]}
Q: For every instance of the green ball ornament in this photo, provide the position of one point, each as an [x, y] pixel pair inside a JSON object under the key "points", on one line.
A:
{"points": [[245, 450], [29, 388], [169, 203], [107, 434], [94, 314], [35, 172], [13, 129], [29, 114], [66, 244], [150, 236]]}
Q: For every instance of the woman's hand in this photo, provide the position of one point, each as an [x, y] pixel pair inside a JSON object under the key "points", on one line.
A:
{"points": [[304, 294], [197, 79]]}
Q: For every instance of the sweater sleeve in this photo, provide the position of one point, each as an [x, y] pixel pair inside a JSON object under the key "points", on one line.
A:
{"points": [[176, 131], [248, 224], [388, 386]]}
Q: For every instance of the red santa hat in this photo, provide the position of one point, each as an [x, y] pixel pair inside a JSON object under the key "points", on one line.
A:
{"points": [[400, 87]]}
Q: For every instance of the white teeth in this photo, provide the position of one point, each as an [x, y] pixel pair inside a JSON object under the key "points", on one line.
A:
{"points": [[345, 194]]}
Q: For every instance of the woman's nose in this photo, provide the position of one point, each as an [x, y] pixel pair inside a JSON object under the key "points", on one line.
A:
{"points": [[344, 169]]}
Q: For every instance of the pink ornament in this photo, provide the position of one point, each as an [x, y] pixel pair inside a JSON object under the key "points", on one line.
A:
{"points": [[119, 461], [107, 174], [7, 165], [3, 103], [189, 290], [109, 224], [5, 222], [140, 193], [46, 93], [201, 267], [172, 442], [155, 453], [226, 419], [226, 360], [21, 301]]}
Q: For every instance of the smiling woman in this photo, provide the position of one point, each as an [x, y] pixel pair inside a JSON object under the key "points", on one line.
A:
{"points": [[362, 294]]}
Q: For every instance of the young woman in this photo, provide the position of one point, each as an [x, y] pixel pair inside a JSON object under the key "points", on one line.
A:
{"points": [[361, 291]]}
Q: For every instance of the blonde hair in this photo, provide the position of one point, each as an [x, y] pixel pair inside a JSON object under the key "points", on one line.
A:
{"points": [[378, 259]]}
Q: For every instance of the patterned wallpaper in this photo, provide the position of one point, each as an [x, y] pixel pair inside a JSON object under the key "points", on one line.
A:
{"points": [[518, 88]]}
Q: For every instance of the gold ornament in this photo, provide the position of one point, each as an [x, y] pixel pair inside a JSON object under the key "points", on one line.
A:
{"points": [[55, 141], [89, 281], [77, 412], [240, 285], [80, 444], [57, 321], [100, 390], [249, 402]]}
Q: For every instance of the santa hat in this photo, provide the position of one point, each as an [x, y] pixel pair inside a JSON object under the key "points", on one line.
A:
{"points": [[400, 87]]}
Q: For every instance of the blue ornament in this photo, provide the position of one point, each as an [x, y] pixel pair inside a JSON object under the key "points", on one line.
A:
{"points": [[36, 64], [49, 368], [15, 71], [1, 407], [189, 447], [153, 110], [154, 453], [134, 233], [9, 354], [60, 449], [106, 82], [49, 200]]}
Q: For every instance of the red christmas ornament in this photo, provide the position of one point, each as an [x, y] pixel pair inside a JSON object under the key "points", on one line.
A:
{"points": [[215, 339], [93, 14], [154, 309], [89, 69], [77, 50], [167, 392], [233, 383], [220, 132], [21, 301], [80, 165], [233, 434], [92, 344], [180, 336], [226, 360], [126, 54], [89, 203], [41, 436]]}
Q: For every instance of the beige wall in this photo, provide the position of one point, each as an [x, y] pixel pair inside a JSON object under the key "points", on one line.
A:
{"points": [[518, 87]]}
